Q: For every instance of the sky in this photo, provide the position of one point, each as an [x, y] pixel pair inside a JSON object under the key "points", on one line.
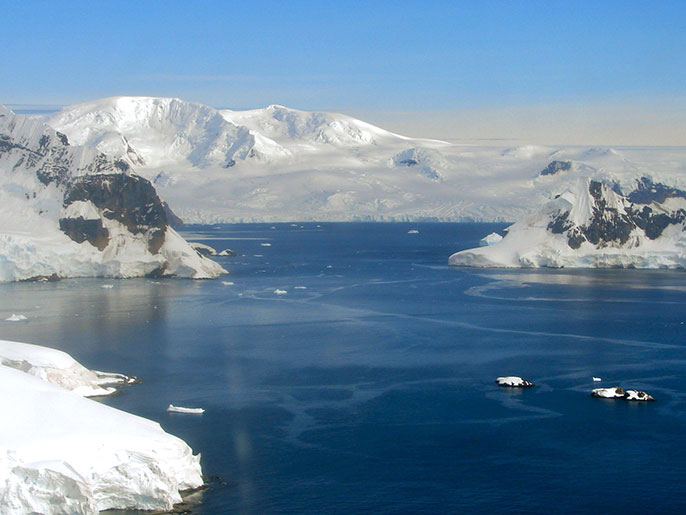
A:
{"points": [[579, 71]]}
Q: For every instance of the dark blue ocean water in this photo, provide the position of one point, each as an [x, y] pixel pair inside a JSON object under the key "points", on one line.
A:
{"points": [[371, 390]]}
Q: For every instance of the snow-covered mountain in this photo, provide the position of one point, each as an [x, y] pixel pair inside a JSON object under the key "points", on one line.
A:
{"points": [[70, 210], [278, 164], [291, 127], [592, 225], [155, 132]]}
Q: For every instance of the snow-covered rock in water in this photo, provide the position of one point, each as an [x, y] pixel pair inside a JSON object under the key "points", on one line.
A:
{"points": [[148, 131], [514, 382], [203, 249], [615, 392], [226, 252], [60, 368], [590, 226], [636, 395], [597, 379], [490, 239], [62, 453], [69, 211], [280, 292]]}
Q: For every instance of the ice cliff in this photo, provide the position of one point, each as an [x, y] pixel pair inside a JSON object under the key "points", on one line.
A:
{"points": [[62, 453]]}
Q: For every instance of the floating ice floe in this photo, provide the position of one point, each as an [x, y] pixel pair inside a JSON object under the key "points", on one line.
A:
{"points": [[107, 286], [596, 379], [180, 409], [266, 244], [413, 231], [300, 287], [16, 318], [514, 382], [228, 283], [280, 292]]}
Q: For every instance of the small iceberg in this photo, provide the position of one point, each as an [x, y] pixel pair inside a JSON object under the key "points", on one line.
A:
{"points": [[596, 379], [228, 283], [180, 409], [280, 292], [413, 231], [107, 286], [266, 244], [513, 382], [616, 392], [16, 318], [490, 239]]}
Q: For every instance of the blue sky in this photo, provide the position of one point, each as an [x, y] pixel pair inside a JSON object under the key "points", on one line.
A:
{"points": [[369, 57]]}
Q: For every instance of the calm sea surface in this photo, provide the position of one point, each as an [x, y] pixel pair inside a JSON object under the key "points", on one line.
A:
{"points": [[368, 386]]}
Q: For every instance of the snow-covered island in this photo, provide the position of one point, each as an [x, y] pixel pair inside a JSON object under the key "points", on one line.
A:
{"points": [[71, 211], [63, 453], [592, 225]]}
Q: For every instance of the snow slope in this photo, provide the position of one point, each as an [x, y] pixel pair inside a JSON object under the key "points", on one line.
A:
{"points": [[62, 453], [70, 211], [303, 166], [59, 368], [155, 132], [587, 226]]}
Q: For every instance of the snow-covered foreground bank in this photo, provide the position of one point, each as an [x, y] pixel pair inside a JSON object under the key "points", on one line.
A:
{"points": [[62, 453]]}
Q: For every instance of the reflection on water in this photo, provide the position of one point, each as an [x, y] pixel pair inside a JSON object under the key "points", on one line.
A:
{"points": [[373, 389]]}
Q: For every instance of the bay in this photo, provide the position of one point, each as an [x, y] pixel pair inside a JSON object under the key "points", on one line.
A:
{"points": [[346, 368]]}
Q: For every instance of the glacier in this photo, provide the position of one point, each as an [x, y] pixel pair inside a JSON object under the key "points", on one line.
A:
{"points": [[89, 457], [71, 211], [281, 164]]}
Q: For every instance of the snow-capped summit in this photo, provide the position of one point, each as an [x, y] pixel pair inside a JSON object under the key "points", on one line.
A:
{"points": [[590, 225], [291, 126], [70, 211], [149, 131]]}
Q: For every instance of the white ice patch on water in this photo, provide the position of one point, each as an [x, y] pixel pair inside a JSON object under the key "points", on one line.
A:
{"points": [[15, 318]]}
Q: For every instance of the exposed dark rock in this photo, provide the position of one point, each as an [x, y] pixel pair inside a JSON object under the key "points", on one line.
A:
{"points": [[172, 219], [63, 138], [408, 162], [128, 199], [43, 278], [80, 230], [230, 163], [612, 226], [555, 167], [648, 191]]}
